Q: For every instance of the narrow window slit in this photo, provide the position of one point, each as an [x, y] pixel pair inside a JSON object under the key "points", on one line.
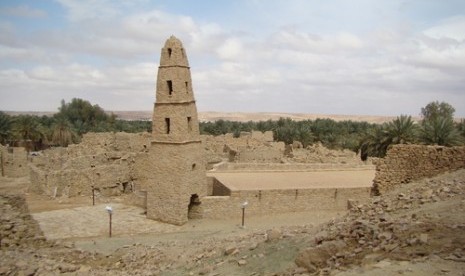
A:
{"points": [[170, 87], [189, 124], [167, 125]]}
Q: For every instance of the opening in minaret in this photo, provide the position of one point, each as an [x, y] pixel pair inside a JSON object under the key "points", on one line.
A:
{"points": [[182, 52], [189, 124], [187, 87], [169, 52], [170, 87], [167, 125]]}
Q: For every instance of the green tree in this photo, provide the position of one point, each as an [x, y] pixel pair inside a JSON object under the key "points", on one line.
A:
{"points": [[377, 141], [374, 143], [440, 131], [28, 130], [84, 116], [5, 128], [402, 130], [461, 127], [63, 133], [437, 109], [438, 126]]}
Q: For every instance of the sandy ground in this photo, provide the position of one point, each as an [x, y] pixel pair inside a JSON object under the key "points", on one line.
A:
{"points": [[88, 226], [144, 247], [295, 180], [76, 218]]}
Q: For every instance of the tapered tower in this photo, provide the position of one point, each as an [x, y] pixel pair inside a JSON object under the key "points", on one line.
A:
{"points": [[178, 181]]}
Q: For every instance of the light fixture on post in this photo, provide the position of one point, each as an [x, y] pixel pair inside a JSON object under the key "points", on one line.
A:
{"points": [[110, 213], [243, 205], [93, 195]]}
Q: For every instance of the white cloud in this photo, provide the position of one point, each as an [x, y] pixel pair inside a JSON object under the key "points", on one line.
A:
{"points": [[453, 27], [108, 53], [23, 11], [80, 10], [231, 49]]}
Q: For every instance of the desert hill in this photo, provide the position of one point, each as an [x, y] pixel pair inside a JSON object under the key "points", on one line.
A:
{"points": [[259, 116], [236, 116]]}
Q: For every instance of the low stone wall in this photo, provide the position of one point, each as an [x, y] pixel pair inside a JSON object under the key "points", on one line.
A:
{"points": [[265, 202], [405, 163], [17, 227], [13, 161], [108, 180]]}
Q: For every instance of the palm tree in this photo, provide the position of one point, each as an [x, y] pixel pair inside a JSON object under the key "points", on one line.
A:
{"points": [[28, 129], [5, 127], [377, 141], [440, 131], [402, 130], [374, 143], [63, 133]]}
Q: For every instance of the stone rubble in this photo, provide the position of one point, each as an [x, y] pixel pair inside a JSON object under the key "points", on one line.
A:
{"points": [[395, 228], [389, 228]]}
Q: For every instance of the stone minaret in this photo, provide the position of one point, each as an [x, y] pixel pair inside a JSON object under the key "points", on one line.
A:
{"points": [[178, 182]]}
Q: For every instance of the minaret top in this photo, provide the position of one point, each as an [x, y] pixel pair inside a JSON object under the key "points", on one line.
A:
{"points": [[173, 54], [173, 42]]}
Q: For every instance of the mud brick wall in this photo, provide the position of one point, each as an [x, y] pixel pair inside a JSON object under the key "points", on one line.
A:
{"points": [[263, 202], [13, 162], [106, 161], [405, 163]]}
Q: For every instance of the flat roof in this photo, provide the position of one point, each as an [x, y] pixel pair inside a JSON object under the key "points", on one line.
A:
{"points": [[236, 181]]}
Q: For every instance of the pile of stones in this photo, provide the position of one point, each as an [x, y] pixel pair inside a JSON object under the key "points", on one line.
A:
{"points": [[391, 228]]}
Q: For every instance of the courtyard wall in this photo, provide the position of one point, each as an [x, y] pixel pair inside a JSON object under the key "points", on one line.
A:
{"points": [[265, 202], [406, 163]]}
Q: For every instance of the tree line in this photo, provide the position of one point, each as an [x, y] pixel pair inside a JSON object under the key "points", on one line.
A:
{"points": [[65, 127], [436, 127]]}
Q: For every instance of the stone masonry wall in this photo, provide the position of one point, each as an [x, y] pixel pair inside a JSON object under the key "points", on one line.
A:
{"points": [[258, 147], [405, 163], [103, 160], [282, 201], [13, 161], [17, 227]]}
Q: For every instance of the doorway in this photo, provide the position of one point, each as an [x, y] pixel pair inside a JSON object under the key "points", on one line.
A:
{"points": [[194, 209]]}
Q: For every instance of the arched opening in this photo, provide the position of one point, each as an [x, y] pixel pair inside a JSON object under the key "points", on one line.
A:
{"points": [[169, 52], [194, 210]]}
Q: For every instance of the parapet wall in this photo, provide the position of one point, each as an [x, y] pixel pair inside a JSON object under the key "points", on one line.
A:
{"points": [[305, 167], [405, 163], [265, 202]]}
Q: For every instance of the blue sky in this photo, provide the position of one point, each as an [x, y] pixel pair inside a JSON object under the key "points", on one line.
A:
{"points": [[360, 57]]}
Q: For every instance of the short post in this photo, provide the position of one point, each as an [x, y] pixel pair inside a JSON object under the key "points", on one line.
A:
{"points": [[93, 196], [243, 212], [110, 212]]}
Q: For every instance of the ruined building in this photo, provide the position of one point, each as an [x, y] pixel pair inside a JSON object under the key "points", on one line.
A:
{"points": [[178, 181]]}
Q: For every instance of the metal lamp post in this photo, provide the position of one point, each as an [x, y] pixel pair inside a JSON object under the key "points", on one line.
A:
{"points": [[243, 205], [93, 195], [110, 212]]}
